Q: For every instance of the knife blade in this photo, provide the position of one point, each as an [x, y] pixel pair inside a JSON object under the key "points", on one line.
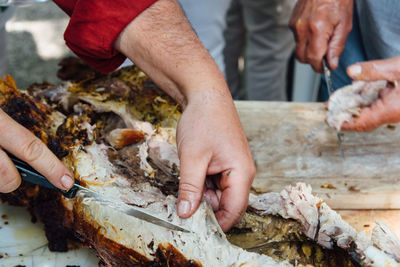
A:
{"points": [[328, 80], [31, 175], [130, 210]]}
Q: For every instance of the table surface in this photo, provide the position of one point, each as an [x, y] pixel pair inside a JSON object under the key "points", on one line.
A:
{"points": [[291, 143], [24, 243]]}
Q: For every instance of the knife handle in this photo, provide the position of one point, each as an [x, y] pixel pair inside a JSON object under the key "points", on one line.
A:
{"points": [[31, 175]]}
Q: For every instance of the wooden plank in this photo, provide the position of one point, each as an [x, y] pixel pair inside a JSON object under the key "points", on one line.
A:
{"points": [[292, 143], [364, 220]]}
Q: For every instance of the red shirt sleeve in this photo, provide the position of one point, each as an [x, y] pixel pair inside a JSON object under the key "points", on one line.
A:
{"points": [[95, 25]]}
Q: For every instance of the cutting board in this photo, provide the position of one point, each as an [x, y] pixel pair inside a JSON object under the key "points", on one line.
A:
{"points": [[23, 243], [291, 143]]}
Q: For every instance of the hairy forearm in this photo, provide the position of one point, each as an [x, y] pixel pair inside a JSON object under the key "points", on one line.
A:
{"points": [[162, 43], [209, 136]]}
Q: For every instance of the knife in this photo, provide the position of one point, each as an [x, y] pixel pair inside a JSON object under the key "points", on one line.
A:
{"points": [[31, 175], [328, 80]]}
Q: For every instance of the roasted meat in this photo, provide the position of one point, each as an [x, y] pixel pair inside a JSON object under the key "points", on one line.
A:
{"points": [[116, 133], [347, 102]]}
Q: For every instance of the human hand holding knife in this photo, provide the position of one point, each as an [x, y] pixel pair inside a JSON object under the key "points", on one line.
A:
{"points": [[31, 175]]}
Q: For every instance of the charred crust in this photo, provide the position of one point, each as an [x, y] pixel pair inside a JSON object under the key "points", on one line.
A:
{"points": [[49, 209], [56, 148], [74, 69], [70, 132], [45, 205], [62, 225], [114, 254], [110, 252], [32, 116], [38, 86], [168, 255]]}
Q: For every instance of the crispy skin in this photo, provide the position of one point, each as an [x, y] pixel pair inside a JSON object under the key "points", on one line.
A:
{"points": [[61, 225], [32, 114], [284, 240], [47, 205]]}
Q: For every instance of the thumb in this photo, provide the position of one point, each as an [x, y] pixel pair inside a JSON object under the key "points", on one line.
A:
{"points": [[191, 185], [385, 69]]}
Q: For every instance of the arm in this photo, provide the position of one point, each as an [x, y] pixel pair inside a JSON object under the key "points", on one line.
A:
{"points": [[386, 109], [321, 28], [209, 136]]}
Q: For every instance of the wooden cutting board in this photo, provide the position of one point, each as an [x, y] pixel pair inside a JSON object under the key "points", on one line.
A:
{"points": [[291, 143]]}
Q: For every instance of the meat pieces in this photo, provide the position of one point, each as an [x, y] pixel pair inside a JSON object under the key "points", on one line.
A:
{"points": [[347, 102]]}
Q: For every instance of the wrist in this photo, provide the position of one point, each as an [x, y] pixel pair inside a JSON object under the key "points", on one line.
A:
{"points": [[203, 82], [208, 94]]}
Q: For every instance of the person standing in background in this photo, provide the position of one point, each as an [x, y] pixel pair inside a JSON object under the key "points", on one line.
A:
{"points": [[227, 28], [360, 40], [260, 30], [208, 19]]}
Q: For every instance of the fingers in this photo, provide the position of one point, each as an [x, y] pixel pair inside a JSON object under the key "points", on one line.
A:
{"points": [[321, 31], [213, 197], [235, 189], [337, 43], [191, 185], [9, 176], [385, 110], [300, 31], [369, 119], [386, 69], [301, 42], [363, 123], [23, 144]]}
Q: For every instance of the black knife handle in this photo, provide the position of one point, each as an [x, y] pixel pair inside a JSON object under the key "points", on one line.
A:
{"points": [[31, 175]]}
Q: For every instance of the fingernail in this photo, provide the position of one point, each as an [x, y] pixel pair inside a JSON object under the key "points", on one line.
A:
{"points": [[67, 181], [355, 70], [183, 207]]}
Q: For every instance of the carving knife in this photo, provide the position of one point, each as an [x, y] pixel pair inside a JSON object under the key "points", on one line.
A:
{"points": [[31, 175], [328, 80]]}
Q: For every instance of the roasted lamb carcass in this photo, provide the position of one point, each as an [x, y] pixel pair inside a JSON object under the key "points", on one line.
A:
{"points": [[116, 134]]}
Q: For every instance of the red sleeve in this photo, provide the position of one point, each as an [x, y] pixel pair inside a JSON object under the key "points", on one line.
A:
{"points": [[95, 25]]}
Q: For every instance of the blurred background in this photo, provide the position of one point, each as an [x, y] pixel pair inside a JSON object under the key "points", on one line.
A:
{"points": [[32, 42]]}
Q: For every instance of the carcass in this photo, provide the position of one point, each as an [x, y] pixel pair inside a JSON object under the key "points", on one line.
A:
{"points": [[116, 133]]}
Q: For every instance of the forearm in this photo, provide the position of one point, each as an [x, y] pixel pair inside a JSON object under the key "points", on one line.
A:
{"points": [[162, 43], [210, 139]]}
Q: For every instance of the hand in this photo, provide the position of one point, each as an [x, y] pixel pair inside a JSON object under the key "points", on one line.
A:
{"points": [[23, 144], [321, 28], [384, 110], [211, 142], [209, 136]]}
